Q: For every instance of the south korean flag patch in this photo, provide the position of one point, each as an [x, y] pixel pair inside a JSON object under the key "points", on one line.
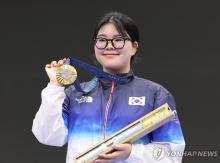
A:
{"points": [[136, 101]]}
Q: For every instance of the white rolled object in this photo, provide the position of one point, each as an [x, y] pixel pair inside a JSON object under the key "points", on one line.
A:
{"points": [[129, 134]]}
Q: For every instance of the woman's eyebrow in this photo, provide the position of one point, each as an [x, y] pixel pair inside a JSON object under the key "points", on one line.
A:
{"points": [[118, 35], [103, 35]]}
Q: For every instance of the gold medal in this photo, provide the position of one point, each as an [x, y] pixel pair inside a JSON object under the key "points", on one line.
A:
{"points": [[66, 74]]}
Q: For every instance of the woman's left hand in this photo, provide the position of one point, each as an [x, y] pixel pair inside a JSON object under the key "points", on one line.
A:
{"points": [[121, 152]]}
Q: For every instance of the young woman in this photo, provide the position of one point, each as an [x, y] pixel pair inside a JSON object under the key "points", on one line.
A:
{"points": [[84, 119]]}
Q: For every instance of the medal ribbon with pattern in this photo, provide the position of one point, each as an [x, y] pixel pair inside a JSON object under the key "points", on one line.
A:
{"points": [[67, 75]]}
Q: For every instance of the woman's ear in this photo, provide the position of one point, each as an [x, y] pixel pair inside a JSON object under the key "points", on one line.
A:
{"points": [[135, 47]]}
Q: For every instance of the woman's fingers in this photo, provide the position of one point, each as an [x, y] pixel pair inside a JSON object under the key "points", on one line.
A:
{"points": [[51, 70], [103, 161], [113, 155], [55, 64], [60, 62]]}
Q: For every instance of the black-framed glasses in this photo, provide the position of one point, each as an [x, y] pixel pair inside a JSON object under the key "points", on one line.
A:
{"points": [[117, 43]]}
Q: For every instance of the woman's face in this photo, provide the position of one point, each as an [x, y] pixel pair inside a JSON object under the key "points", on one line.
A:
{"points": [[114, 60]]}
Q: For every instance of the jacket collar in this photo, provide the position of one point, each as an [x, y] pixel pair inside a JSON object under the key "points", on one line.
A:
{"points": [[107, 83]]}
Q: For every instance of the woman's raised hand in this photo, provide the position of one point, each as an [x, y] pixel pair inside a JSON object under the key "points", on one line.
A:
{"points": [[51, 70]]}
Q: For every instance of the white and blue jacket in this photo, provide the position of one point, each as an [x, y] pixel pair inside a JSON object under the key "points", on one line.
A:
{"points": [[84, 119]]}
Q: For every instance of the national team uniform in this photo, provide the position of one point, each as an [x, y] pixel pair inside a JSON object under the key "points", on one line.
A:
{"points": [[84, 119]]}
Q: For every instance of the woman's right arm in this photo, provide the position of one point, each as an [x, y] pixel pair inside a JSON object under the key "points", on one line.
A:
{"points": [[48, 125]]}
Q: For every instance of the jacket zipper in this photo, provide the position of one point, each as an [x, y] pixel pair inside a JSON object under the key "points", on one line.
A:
{"points": [[107, 108]]}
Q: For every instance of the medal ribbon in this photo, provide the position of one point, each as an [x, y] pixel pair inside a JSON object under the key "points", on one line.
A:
{"points": [[77, 63]]}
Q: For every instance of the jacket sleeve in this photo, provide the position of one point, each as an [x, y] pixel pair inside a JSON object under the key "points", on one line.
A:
{"points": [[167, 144], [48, 125]]}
